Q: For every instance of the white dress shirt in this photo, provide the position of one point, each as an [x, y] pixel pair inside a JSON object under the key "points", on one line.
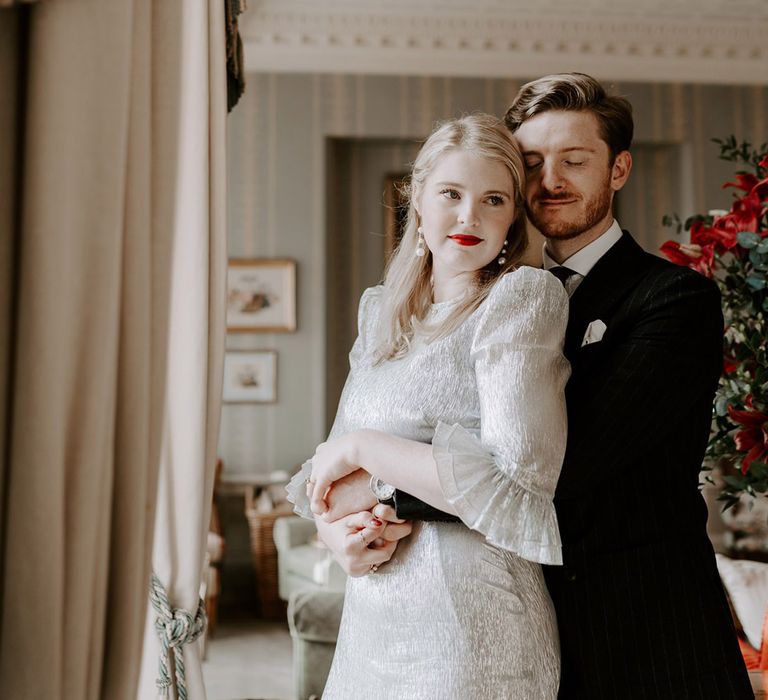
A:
{"points": [[584, 260]]}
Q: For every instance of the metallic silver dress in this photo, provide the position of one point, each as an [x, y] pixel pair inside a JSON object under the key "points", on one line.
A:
{"points": [[461, 611]]}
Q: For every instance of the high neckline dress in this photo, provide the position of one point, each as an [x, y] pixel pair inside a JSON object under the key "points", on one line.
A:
{"points": [[461, 610]]}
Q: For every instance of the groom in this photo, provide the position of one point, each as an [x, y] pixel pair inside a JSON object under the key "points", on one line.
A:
{"points": [[639, 603]]}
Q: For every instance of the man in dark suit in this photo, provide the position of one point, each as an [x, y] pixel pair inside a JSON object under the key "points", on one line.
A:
{"points": [[640, 607]]}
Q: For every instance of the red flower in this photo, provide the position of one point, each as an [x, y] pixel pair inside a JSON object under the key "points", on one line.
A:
{"points": [[753, 437], [697, 257], [672, 250], [746, 212], [761, 188], [730, 364], [749, 183], [721, 235], [744, 181]]}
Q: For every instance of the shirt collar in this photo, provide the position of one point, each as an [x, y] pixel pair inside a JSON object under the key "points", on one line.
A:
{"points": [[584, 260]]}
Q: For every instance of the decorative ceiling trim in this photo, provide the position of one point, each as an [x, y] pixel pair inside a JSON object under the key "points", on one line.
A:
{"points": [[730, 50]]}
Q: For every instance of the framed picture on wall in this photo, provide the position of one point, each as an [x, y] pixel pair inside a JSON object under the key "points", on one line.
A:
{"points": [[261, 296], [250, 376]]}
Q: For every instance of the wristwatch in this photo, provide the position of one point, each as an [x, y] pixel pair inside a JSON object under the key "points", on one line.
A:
{"points": [[384, 492]]}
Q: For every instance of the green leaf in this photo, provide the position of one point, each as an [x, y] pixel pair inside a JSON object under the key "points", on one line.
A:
{"points": [[691, 220], [762, 247], [735, 481], [756, 282], [747, 239], [730, 502], [672, 221], [757, 258]]}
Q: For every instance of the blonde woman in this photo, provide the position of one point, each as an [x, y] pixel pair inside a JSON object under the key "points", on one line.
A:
{"points": [[455, 395]]}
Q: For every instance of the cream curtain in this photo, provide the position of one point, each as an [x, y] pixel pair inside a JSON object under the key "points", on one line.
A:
{"points": [[111, 330], [196, 334]]}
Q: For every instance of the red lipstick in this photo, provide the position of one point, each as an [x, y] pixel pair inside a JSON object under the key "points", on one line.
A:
{"points": [[465, 239]]}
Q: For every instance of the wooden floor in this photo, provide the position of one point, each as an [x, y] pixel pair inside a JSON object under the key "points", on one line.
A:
{"points": [[249, 659]]}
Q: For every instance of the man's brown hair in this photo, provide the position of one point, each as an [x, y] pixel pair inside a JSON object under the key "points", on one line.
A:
{"points": [[575, 92]]}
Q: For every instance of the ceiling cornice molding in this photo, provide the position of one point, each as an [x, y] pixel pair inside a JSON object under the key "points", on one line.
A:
{"points": [[502, 44]]}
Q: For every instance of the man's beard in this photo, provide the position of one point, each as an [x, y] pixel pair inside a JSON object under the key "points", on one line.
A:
{"points": [[595, 211]]}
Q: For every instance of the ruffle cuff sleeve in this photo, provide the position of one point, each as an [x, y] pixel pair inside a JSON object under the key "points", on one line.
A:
{"points": [[508, 513], [297, 491]]}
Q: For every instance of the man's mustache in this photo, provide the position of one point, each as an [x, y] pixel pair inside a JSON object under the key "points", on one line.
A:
{"points": [[553, 197]]}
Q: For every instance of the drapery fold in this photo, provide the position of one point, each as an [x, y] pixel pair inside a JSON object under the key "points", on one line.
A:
{"points": [[196, 333], [112, 318]]}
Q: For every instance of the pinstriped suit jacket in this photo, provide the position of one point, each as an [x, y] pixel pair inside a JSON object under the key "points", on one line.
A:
{"points": [[640, 607]]}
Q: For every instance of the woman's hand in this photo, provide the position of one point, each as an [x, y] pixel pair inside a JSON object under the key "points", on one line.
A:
{"points": [[362, 542], [332, 461]]}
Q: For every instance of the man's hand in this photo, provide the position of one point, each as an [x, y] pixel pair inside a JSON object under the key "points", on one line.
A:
{"points": [[363, 540], [352, 494]]}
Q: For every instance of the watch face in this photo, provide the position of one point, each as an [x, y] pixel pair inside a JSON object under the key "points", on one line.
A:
{"points": [[382, 490]]}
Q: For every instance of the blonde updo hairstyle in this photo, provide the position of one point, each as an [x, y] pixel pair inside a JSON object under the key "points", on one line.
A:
{"points": [[407, 296]]}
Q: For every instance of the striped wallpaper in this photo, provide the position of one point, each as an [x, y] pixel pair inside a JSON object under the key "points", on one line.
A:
{"points": [[307, 157]]}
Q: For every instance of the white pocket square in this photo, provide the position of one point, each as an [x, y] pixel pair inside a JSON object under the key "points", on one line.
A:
{"points": [[594, 333]]}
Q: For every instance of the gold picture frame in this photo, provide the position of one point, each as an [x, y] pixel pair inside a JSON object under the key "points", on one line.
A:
{"points": [[261, 295]]}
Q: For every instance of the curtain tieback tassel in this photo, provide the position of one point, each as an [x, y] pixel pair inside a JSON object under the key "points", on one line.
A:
{"points": [[175, 627]]}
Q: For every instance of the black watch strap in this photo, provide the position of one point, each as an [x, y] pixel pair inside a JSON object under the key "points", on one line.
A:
{"points": [[389, 501], [409, 507]]}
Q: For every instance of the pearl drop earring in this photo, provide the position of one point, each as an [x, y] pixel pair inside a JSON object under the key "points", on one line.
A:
{"points": [[421, 248], [503, 254]]}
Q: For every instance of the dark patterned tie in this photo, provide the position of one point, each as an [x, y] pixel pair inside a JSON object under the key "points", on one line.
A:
{"points": [[562, 273]]}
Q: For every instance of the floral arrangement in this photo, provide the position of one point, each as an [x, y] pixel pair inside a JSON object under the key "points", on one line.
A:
{"points": [[731, 247]]}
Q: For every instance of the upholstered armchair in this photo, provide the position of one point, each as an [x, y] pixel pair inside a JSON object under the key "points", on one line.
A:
{"points": [[313, 584], [302, 562]]}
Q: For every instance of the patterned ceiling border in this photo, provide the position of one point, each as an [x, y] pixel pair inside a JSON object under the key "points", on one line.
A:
{"points": [[661, 49]]}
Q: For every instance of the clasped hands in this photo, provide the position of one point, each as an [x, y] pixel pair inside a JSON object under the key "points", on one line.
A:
{"points": [[361, 533]]}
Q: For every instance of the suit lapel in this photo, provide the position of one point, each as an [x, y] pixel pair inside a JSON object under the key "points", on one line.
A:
{"points": [[601, 291]]}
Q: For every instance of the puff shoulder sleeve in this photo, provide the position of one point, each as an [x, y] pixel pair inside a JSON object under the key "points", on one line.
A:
{"points": [[502, 484]]}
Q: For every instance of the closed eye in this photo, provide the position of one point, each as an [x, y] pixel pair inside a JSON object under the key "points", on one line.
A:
{"points": [[574, 162], [532, 165]]}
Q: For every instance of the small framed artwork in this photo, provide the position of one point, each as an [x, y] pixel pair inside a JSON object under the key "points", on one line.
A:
{"points": [[261, 296], [250, 376]]}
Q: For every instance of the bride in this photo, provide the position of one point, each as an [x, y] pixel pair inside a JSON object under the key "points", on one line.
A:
{"points": [[455, 395]]}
